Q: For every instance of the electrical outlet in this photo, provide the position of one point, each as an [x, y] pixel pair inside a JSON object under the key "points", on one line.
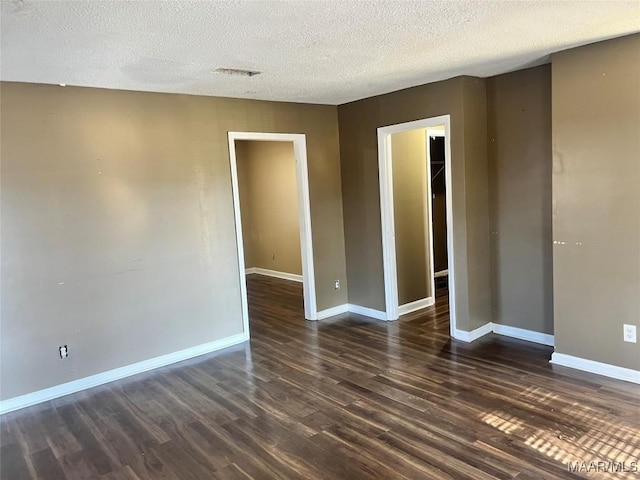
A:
{"points": [[336, 284], [273, 256], [63, 351], [629, 333]]}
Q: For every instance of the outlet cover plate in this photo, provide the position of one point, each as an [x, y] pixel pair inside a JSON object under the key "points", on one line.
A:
{"points": [[630, 333]]}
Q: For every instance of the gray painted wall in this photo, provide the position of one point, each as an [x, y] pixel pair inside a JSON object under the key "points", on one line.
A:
{"points": [[596, 200], [519, 148]]}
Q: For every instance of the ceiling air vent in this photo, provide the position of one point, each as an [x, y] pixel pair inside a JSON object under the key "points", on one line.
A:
{"points": [[237, 72]]}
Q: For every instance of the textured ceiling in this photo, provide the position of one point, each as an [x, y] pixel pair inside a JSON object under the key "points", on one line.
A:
{"points": [[320, 52]]}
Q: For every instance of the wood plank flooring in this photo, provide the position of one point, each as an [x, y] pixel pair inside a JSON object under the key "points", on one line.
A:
{"points": [[344, 398]]}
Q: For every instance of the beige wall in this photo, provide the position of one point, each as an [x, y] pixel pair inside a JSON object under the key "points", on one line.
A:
{"points": [[269, 205], [118, 236], [519, 147], [243, 169], [409, 172], [463, 99], [596, 200]]}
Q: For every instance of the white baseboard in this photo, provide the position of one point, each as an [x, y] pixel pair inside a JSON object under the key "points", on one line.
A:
{"points": [[417, 305], [367, 312], [441, 273], [507, 331], [606, 369], [522, 334], [473, 334], [330, 312], [348, 307], [272, 273], [74, 386]]}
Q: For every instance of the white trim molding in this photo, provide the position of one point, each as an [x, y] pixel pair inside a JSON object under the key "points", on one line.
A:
{"points": [[273, 273], [507, 331], [417, 305], [591, 366], [348, 307], [367, 312], [522, 334], [304, 216], [333, 311], [473, 334], [74, 386]]}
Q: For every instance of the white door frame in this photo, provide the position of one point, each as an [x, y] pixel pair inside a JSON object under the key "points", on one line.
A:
{"points": [[387, 216], [304, 217]]}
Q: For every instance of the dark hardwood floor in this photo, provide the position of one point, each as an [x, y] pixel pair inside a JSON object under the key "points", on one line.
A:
{"points": [[345, 398]]}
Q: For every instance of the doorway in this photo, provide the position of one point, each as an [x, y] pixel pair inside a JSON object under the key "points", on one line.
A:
{"points": [[298, 142], [436, 159], [394, 255]]}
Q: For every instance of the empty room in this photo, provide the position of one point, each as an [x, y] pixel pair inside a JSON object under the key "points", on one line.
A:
{"points": [[319, 240]]}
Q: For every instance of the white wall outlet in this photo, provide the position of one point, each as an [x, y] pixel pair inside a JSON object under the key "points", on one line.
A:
{"points": [[64, 352], [629, 333], [336, 284], [273, 256]]}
